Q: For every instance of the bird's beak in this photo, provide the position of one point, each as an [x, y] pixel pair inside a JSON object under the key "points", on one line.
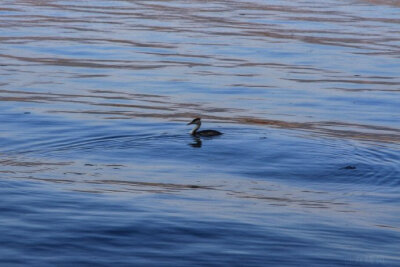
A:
{"points": [[190, 123]]}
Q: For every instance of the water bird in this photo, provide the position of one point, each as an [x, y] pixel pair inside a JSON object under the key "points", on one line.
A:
{"points": [[208, 133]]}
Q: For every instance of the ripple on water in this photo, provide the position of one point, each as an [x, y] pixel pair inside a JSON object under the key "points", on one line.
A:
{"points": [[379, 165]]}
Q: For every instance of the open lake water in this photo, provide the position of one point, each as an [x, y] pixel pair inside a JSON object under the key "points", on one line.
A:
{"points": [[97, 166]]}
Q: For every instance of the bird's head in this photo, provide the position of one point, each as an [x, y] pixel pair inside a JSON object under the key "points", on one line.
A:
{"points": [[195, 121]]}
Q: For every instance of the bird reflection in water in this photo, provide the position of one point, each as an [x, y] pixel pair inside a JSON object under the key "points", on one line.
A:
{"points": [[196, 142]]}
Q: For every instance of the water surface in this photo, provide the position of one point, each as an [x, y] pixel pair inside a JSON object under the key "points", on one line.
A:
{"points": [[97, 166]]}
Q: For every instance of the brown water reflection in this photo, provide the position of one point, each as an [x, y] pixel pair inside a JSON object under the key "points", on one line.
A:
{"points": [[384, 2], [258, 191], [178, 111]]}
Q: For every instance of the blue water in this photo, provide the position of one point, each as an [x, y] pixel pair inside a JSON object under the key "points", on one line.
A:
{"points": [[97, 166]]}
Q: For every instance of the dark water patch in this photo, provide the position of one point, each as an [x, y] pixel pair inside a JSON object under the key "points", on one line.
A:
{"points": [[116, 227]]}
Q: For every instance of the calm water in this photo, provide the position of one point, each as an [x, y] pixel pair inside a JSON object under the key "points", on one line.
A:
{"points": [[97, 166]]}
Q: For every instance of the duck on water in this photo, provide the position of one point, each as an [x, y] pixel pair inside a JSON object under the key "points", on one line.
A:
{"points": [[205, 133]]}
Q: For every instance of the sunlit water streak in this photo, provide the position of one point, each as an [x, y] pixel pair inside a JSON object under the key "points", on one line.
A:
{"points": [[98, 168]]}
